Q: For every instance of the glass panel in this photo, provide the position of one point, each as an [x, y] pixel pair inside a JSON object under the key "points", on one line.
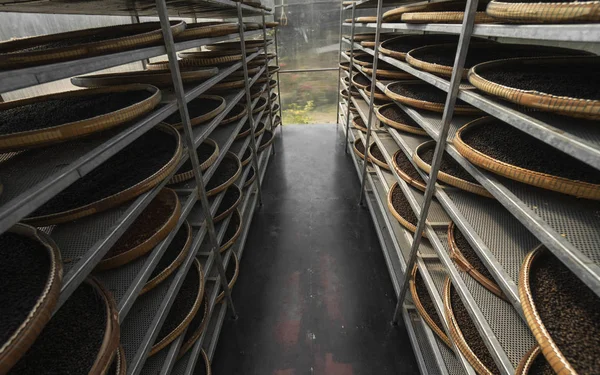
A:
{"points": [[309, 98]]}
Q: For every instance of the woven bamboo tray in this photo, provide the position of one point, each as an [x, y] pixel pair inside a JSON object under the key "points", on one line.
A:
{"points": [[263, 146], [231, 180], [444, 17], [272, 84], [345, 66], [387, 74], [439, 331], [557, 12], [228, 86], [230, 209], [194, 331], [199, 120], [119, 362], [360, 154], [378, 94], [270, 25], [165, 341], [276, 121], [189, 174], [147, 34], [118, 198], [273, 69], [241, 109], [405, 223], [260, 128], [516, 50], [574, 107], [395, 15], [207, 29], [150, 77], [163, 274], [403, 175], [25, 335], [231, 283], [459, 109], [275, 109], [528, 360], [250, 180], [359, 58], [212, 54], [380, 163], [420, 40], [247, 160], [357, 84], [243, 133], [395, 124], [367, 19], [542, 180], [229, 48], [237, 233], [168, 198], [77, 129], [200, 59], [260, 105], [457, 336], [445, 177], [465, 266], [353, 92]]}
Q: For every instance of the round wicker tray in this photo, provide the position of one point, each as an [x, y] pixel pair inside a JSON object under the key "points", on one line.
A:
{"points": [[363, 59], [439, 331], [151, 77], [272, 84], [117, 198], [166, 340], [387, 74], [526, 363], [557, 12], [419, 184], [463, 264], [199, 120], [273, 69], [275, 109], [239, 110], [244, 132], [231, 180], [260, 128], [360, 85], [574, 107], [230, 209], [459, 109], [380, 163], [405, 223], [240, 72], [248, 159], [264, 145], [166, 197], [207, 29], [201, 59], [195, 328], [231, 283], [237, 233], [77, 129], [225, 86], [457, 336], [360, 154], [203, 367], [345, 66], [493, 51], [270, 25], [542, 180], [260, 105], [445, 177], [444, 17], [378, 94], [231, 48], [420, 40], [147, 34], [119, 363], [250, 180], [395, 15], [167, 271], [25, 335], [358, 124], [395, 124], [189, 174], [353, 91]]}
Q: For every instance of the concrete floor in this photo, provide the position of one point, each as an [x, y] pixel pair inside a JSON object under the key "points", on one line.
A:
{"points": [[314, 295]]}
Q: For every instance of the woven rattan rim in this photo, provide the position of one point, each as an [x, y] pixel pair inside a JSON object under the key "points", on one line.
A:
{"points": [[527, 361], [231, 180], [359, 85], [171, 199], [226, 86], [77, 129], [189, 174], [391, 74], [459, 109], [542, 180], [273, 69], [558, 12], [360, 154], [366, 19], [231, 283], [230, 209], [395, 124], [394, 15], [25, 335], [378, 95], [240, 73], [188, 318], [403, 175], [362, 63], [153, 283], [198, 332], [445, 177], [444, 17], [270, 25], [198, 120], [551, 351], [462, 263], [243, 134], [237, 233], [195, 32], [574, 107], [268, 143], [150, 77], [380, 163], [272, 83], [260, 128], [118, 198], [421, 309], [121, 360], [249, 182], [383, 47], [260, 105], [438, 69], [405, 223], [247, 160], [242, 113], [358, 126], [275, 109], [344, 65], [457, 336], [69, 53], [192, 59]]}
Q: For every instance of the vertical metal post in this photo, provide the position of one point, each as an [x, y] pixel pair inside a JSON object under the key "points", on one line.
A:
{"points": [[278, 81], [337, 115], [249, 99], [372, 98], [187, 129], [269, 104], [350, 73], [459, 63]]}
